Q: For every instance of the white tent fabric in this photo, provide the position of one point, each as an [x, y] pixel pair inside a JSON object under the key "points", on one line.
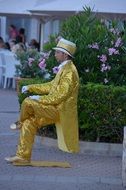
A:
{"points": [[15, 7], [115, 9], [62, 8], [18, 7], [108, 6], [111, 8], [62, 5]]}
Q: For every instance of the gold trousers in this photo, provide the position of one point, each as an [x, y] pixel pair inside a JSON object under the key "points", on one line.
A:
{"points": [[33, 116]]}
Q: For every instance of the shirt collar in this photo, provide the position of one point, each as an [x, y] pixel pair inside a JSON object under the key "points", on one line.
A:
{"points": [[62, 64]]}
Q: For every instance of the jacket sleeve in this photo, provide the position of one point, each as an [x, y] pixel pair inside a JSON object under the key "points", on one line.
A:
{"points": [[62, 91], [40, 88]]}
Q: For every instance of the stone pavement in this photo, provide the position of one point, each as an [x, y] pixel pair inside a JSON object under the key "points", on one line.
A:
{"points": [[88, 172]]}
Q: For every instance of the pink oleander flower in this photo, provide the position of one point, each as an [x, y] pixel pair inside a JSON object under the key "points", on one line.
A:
{"points": [[103, 58], [114, 31], [105, 67], [113, 51], [55, 70], [94, 46], [30, 61], [118, 42], [45, 55], [42, 64], [109, 67], [106, 80]]}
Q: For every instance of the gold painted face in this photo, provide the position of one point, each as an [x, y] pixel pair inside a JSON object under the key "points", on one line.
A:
{"points": [[60, 56]]}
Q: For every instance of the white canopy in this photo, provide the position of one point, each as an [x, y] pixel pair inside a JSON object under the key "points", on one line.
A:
{"points": [[18, 7], [109, 8], [62, 8]]}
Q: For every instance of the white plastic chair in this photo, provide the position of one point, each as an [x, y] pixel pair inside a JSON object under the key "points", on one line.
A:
{"points": [[2, 67], [10, 69], [0, 70]]}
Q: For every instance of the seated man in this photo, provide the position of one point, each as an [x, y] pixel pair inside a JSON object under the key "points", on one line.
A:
{"points": [[56, 103]]}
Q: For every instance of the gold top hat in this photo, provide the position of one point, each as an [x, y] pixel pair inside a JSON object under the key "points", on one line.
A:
{"points": [[66, 47]]}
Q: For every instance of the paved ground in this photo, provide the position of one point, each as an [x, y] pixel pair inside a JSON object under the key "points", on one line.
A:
{"points": [[87, 172]]}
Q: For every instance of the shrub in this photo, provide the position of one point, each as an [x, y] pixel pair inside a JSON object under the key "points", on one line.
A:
{"points": [[101, 54], [50, 44], [102, 112], [32, 64]]}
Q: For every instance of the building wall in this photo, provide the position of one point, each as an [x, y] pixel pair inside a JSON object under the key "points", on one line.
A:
{"points": [[51, 28], [33, 27]]}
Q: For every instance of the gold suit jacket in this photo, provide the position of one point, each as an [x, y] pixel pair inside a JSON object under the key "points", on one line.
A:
{"points": [[62, 93]]}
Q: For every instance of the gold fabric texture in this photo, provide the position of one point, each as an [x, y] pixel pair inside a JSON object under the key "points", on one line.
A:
{"points": [[58, 105], [44, 164]]}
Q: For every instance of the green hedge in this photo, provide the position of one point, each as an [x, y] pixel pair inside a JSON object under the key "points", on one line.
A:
{"points": [[101, 111]]}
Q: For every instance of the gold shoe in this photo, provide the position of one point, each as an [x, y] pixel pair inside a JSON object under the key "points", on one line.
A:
{"points": [[15, 126], [16, 159]]}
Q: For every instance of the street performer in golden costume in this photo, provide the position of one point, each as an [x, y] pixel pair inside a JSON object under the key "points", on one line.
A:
{"points": [[56, 103]]}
